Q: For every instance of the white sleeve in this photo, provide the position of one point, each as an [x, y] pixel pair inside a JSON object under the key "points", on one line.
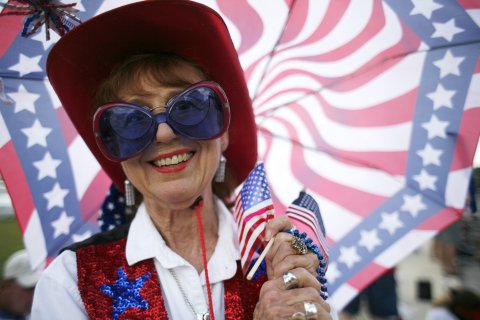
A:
{"points": [[56, 294]]}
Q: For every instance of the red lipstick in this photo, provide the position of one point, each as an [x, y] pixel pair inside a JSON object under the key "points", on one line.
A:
{"points": [[173, 168]]}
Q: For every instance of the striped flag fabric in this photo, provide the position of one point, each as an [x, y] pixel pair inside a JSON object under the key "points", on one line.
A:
{"points": [[306, 217], [55, 183], [253, 208], [372, 105]]}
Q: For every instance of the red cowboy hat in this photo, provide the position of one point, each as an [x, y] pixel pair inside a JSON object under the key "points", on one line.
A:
{"points": [[83, 58]]}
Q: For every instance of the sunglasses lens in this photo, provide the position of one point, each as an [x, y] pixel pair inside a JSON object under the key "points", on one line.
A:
{"points": [[125, 130], [197, 114], [128, 122]]}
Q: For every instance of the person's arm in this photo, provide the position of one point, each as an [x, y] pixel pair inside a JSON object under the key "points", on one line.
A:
{"points": [[56, 294]]}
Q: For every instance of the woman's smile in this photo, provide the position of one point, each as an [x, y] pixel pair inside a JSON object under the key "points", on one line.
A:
{"points": [[174, 161]]}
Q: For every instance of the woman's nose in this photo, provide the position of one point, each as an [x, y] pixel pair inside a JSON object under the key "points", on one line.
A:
{"points": [[165, 134]]}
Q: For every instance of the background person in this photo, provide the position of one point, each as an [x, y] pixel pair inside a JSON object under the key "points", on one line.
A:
{"points": [[17, 287], [455, 304], [380, 297], [457, 247]]}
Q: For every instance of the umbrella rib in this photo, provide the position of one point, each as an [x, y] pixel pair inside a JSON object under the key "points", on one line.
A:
{"points": [[270, 111], [272, 52]]}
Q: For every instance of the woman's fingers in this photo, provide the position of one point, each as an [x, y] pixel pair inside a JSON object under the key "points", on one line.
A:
{"points": [[289, 304], [282, 257], [301, 277], [293, 292], [309, 262], [277, 225]]}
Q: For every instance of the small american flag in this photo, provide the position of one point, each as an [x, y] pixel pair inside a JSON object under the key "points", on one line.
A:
{"points": [[305, 216], [253, 208]]}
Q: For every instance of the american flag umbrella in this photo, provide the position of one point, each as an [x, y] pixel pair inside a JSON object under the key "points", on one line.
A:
{"points": [[371, 105]]}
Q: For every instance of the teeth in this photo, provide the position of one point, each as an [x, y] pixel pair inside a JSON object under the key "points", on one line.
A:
{"points": [[176, 159]]}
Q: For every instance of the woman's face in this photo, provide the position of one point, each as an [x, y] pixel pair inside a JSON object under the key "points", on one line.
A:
{"points": [[173, 171]]}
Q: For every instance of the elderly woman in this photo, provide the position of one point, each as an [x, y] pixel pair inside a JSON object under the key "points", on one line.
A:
{"points": [[152, 79]]}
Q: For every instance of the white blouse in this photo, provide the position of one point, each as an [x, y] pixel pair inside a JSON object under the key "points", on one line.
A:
{"points": [[57, 295]]}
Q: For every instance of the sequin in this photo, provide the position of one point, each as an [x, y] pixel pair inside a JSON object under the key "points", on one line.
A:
{"points": [[98, 264], [241, 296], [125, 293]]}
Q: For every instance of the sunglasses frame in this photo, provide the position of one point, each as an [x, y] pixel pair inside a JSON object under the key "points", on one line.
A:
{"points": [[162, 117]]}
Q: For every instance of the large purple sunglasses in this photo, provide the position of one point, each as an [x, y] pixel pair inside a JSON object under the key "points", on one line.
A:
{"points": [[123, 130]]}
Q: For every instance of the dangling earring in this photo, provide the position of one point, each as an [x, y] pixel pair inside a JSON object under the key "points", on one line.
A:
{"points": [[129, 194], [220, 174]]}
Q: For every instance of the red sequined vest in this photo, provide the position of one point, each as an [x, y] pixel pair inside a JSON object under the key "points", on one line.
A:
{"points": [[111, 289]]}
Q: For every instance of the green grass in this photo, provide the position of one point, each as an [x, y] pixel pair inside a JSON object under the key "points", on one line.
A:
{"points": [[10, 239]]}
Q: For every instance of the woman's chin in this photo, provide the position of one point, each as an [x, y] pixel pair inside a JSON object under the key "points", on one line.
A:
{"points": [[174, 198]]}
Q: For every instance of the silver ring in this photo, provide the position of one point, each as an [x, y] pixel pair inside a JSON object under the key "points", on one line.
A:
{"points": [[290, 281], [310, 310]]}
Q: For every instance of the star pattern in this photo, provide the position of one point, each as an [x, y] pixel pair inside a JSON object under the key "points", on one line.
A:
{"points": [[369, 239], [40, 37], [27, 65], [24, 100], [387, 223], [333, 273], [413, 204], [449, 64], [56, 196], [430, 155], [349, 256], [126, 293], [446, 30], [424, 7], [390, 222], [36, 134], [47, 167], [112, 213], [435, 127], [62, 225], [441, 97], [255, 189], [425, 180]]}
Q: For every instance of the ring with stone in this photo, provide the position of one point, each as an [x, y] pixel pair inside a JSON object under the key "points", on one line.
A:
{"points": [[290, 281], [297, 316], [298, 245], [310, 310]]}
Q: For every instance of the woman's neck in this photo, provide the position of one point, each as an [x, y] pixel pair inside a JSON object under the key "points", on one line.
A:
{"points": [[180, 230]]}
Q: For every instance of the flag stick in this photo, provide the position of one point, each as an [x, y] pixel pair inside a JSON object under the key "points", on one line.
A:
{"points": [[260, 259]]}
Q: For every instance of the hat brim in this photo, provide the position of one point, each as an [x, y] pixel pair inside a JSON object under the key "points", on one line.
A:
{"points": [[28, 280], [84, 57]]}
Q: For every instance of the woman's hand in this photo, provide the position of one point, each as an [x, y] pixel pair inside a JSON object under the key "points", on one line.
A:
{"points": [[282, 257], [304, 302]]}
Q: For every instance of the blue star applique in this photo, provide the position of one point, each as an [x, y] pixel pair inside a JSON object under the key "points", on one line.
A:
{"points": [[126, 293]]}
